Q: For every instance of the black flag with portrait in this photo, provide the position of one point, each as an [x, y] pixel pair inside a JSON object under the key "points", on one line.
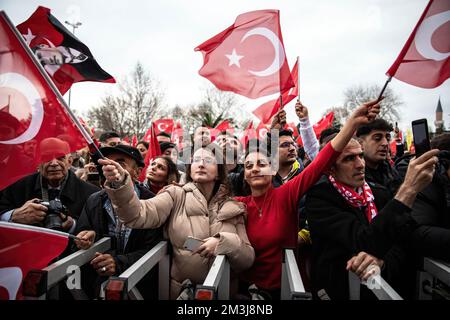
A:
{"points": [[66, 59]]}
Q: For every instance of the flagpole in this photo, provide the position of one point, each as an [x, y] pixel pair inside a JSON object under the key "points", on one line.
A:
{"points": [[49, 81], [298, 78], [384, 87], [74, 26]]}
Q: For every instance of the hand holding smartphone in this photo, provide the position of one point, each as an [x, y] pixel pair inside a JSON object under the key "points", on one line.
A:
{"points": [[192, 243], [421, 136]]}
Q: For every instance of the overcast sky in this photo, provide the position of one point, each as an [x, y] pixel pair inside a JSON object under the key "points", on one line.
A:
{"points": [[340, 44]]}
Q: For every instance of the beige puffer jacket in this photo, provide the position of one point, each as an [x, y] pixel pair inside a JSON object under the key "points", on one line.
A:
{"points": [[185, 212]]}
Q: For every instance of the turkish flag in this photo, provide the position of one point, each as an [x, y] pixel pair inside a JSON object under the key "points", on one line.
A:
{"points": [[393, 147], [248, 58], [177, 136], [261, 131], [248, 134], [134, 141], [425, 59], [64, 57], [324, 123], [153, 150], [293, 128], [225, 125], [24, 248], [163, 125], [214, 133], [34, 127], [266, 111]]}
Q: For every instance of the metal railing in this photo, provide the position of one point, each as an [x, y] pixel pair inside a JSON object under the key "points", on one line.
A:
{"points": [[292, 287], [124, 286], [217, 282], [37, 283], [428, 280], [376, 283]]}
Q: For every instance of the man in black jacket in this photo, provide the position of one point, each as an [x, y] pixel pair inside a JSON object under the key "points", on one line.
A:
{"points": [[375, 138], [431, 209], [128, 245], [347, 216], [53, 181]]}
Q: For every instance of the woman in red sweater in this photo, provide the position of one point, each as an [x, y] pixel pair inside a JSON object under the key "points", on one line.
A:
{"points": [[272, 219]]}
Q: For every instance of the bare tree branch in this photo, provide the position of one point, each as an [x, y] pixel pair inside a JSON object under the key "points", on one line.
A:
{"points": [[130, 112]]}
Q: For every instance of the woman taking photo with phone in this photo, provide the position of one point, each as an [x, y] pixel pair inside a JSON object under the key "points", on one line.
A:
{"points": [[202, 209]]}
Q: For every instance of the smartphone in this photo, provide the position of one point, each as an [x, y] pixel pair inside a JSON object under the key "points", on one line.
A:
{"points": [[421, 136], [93, 176], [192, 243]]}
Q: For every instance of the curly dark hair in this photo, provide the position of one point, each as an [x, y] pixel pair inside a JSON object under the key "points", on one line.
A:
{"points": [[172, 171]]}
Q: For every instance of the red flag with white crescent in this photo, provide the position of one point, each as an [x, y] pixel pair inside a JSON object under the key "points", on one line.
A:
{"points": [[153, 150], [34, 126], [248, 58], [425, 59], [23, 248], [164, 125]]}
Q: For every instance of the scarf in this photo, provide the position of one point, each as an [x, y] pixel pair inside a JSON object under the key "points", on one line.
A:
{"points": [[362, 197]]}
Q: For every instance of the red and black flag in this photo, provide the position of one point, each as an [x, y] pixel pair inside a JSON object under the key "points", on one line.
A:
{"points": [[66, 59]]}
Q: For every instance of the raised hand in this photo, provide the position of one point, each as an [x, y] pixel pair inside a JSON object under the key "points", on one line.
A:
{"points": [[419, 175], [301, 110], [365, 113], [113, 172], [278, 120]]}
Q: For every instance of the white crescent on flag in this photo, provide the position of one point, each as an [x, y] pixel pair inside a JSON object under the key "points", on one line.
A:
{"points": [[11, 279], [24, 86], [279, 57], [263, 133], [425, 33], [162, 126]]}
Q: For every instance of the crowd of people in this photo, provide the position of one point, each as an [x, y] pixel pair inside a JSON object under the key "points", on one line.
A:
{"points": [[341, 200]]}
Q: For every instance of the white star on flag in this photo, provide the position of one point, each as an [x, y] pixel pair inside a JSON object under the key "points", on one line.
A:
{"points": [[29, 37], [234, 58]]}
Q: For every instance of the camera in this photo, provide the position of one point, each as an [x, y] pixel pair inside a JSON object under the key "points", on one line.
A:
{"points": [[53, 218]]}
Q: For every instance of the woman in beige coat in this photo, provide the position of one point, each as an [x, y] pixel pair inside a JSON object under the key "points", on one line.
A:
{"points": [[202, 209]]}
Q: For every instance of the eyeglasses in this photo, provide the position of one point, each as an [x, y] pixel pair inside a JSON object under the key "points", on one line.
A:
{"points": [[287, 144], [206, 161]]}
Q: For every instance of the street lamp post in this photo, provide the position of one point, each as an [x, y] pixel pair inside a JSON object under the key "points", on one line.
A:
{"points": [[74, 26]]}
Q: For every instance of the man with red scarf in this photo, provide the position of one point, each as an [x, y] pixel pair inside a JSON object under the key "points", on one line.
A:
{"points": [[355, 226]]}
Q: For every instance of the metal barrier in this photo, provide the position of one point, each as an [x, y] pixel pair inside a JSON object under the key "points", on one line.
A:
{"points": [[292, 287], [124, 286], [217, 282], [434, 271], [381, 289], [438, 269], [37, 283]]}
